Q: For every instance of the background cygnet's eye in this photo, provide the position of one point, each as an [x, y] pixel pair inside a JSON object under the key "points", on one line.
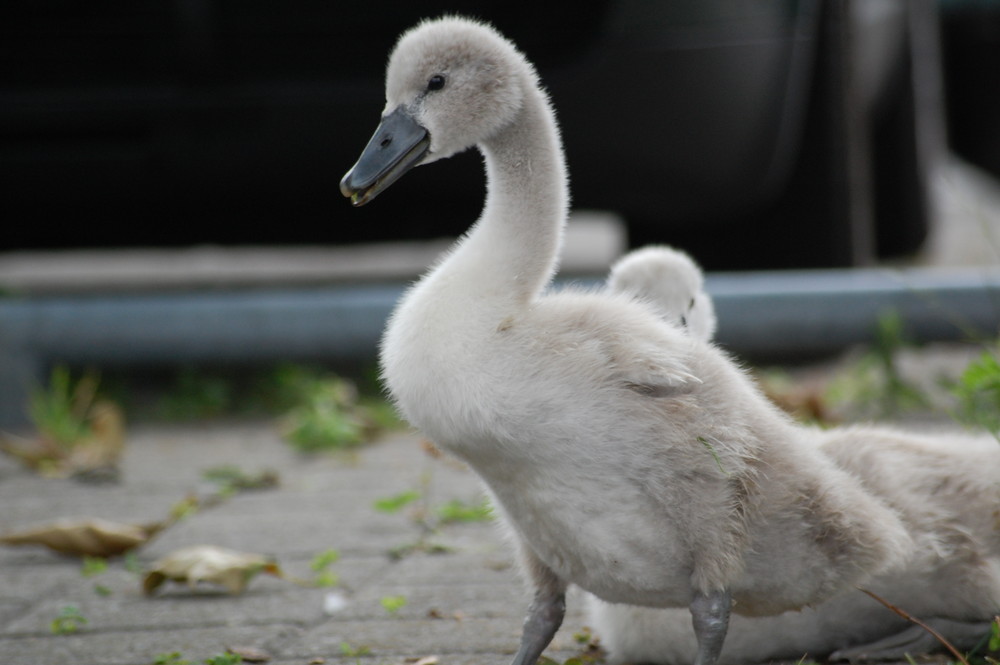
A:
{"points": [[435, 82]]}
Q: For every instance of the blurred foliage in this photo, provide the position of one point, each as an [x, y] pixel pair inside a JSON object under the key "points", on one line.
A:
{"points": [[79, 432], [59, 411], [978, 392], [875, 380], [196, 395]]}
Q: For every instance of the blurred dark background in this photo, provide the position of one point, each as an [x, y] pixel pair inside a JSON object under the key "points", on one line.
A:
{"points": [[754, 133]]}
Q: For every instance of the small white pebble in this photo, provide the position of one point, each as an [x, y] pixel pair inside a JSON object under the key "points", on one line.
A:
{"points": [[334, 602]]}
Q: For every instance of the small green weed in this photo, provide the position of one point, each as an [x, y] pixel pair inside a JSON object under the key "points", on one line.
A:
{"points": [[231, 479], [93, 565], [978, 393], [132, 563], [326, 578], [324, 559], [395, 503], [320, 565], [60, 411], [328, 418], [457, 510], [590, 653], [875, 381], [393, 604], [79, 433], [69, 620], [354, 652], [175, 658], [429, 520]]}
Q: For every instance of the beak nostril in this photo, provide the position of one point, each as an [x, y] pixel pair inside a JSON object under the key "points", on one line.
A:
{"points": [[385, 142]]}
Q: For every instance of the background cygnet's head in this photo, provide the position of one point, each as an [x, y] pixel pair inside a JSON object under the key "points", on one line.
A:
{"points": [[672, 283]]}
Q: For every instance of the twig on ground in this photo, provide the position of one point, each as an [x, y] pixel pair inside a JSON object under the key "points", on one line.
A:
{"points": [[912, 619]]}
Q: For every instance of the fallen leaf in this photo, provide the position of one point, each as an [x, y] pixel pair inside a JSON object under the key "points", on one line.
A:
{"points": [[207, 563], [250, 654], [104, 447], [803, 398], [435, 613], [425, 660], [430, 449], [92, 537]]}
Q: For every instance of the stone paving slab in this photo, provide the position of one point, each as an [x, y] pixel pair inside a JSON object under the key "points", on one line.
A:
{"points": [[465, 605], [126, 647]]}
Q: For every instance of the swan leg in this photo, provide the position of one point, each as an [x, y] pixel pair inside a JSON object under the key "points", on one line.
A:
{"points": [[963, 635], [544, 618], [710, 616]]}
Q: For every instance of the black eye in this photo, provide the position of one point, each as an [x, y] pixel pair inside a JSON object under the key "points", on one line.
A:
{"points": [[435, 82]]}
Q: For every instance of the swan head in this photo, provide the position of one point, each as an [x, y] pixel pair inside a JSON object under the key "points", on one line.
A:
{"points": [[450, 83], [671, 282]]}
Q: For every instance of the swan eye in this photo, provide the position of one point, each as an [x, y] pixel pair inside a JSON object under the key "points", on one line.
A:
{"points": [[435, 82]]}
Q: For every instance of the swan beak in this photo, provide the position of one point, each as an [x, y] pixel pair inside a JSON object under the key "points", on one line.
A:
{"points": [[399, 144]]}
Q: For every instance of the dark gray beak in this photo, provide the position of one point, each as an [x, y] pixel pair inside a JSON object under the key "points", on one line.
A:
{"points": [[398, 145]]}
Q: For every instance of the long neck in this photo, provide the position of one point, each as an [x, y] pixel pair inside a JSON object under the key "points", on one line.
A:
{"points": [[512, 251]]}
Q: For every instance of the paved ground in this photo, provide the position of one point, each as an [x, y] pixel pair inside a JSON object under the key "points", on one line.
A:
{"points": [[464, 606]]}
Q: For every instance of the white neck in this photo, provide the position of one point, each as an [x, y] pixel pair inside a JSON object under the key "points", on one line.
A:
{"points": [[511, 253]]}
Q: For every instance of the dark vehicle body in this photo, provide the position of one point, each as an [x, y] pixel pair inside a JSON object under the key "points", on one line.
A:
{"points": [[755, 134]]}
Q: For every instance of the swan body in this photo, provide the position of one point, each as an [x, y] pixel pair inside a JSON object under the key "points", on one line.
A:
{"points": [[945, 488], [624, 455], [671, 282]]}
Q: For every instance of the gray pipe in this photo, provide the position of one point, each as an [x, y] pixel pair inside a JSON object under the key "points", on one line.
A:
{"points": [[787, 316]]}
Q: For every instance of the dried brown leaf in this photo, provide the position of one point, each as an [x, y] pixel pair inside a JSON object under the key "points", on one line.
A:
{"points": [[424, 660], [207, 563], [92, 537], [104, 447], [250, 654]]}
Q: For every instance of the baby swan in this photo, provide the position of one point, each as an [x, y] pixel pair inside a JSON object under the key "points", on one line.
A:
{"points": [[623, 455], [944, 487], [670, 281]]}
